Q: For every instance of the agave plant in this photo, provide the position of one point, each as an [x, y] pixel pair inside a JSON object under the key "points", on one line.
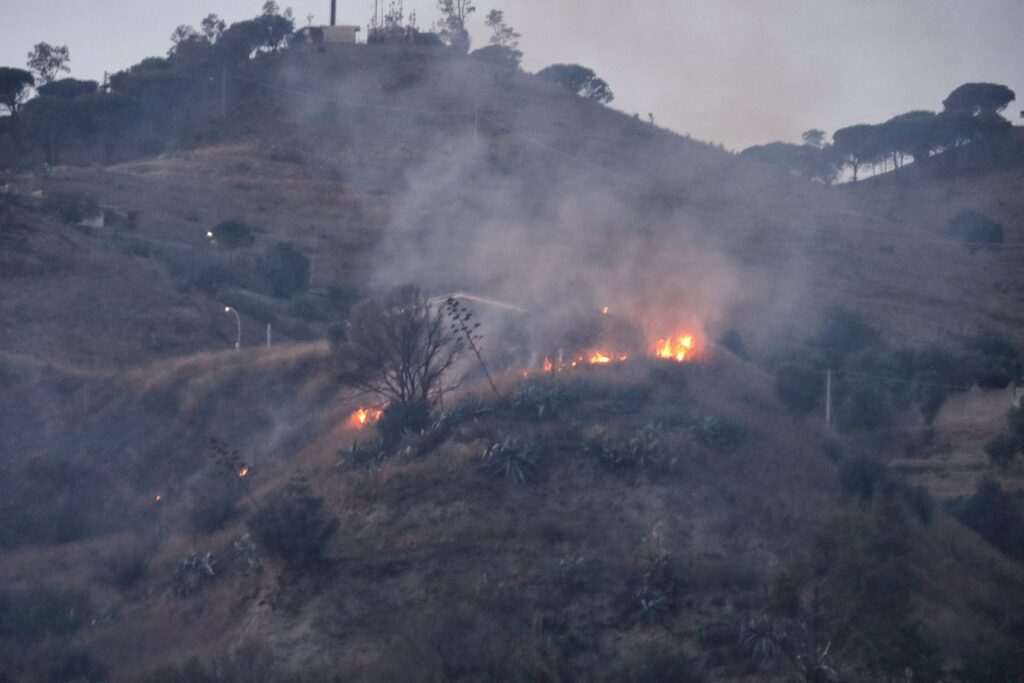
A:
{"points": [[763, 637], [511, 458], [651, 605]]}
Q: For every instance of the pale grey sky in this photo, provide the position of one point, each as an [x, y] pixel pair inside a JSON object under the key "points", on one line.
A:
{"points": [[737, 72]]}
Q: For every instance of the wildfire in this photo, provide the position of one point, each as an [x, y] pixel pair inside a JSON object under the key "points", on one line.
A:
{"points": [[158, 498], [364, 416], [599, 358], [244, 472], [678, 348]]}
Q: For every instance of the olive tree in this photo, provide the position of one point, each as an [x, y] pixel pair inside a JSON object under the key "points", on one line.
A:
{"points": [[15, 85], [580, 80]]}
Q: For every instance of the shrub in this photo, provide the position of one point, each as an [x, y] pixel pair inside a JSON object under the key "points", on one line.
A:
{"points": [[655, 662], [644, 450], [540, 399], [865, 407], [127, 567], [70, 664], [214, 507], [998, 666], [191, 572], [293, 525], [996, 360], [843, 332], [1016, 421], [799, 387], [996, 516], [43, 611], [287, 270], [232, 234], [720, 433], [732, 340], [1002, 450], [72, 207], [401, 419], [861, 477], [512, 458], [977, 231], [191, 671]]}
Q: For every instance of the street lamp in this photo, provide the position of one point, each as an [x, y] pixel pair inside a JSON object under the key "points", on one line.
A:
{"points": [[238, 324]]}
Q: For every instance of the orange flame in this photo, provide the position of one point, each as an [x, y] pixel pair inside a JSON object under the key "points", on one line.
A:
{"points": [[599, 358], [364, 416], [678, 348], [158, 498], [548, 365], [244, 472]]}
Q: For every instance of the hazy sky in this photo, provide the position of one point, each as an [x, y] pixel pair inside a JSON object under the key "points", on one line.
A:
{"points": [[737, 72]]}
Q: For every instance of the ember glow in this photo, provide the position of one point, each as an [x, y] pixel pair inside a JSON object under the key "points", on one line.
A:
{"points": [[678, 348], [364, 417], [244, 472]]}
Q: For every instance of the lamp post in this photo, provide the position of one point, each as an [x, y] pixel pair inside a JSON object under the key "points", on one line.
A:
{"points": [[238, 325]]}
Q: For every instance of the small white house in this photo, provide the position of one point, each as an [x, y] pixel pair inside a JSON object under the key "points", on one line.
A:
{"points": [[334, 35]]}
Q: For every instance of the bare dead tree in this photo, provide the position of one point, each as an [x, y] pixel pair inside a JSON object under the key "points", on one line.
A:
{"points": [[399, 346]]}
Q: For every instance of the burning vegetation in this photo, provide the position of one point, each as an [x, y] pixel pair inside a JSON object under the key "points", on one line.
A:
{"points": [[364, 417]]}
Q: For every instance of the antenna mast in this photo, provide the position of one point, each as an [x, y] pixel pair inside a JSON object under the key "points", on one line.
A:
{"points": [[334, 12]]}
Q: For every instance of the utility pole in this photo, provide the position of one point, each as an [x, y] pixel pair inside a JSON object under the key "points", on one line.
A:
{"points": [[828, 397], [268, 334], [224, 92], [476, 124]]}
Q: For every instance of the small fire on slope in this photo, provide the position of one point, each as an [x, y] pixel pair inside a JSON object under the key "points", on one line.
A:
{"points": [[678, 348], [364, 417]]}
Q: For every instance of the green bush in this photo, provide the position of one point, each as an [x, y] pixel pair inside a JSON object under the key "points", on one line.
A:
{"points": [[655, 662], [127, 567], [287, 270], [861, 477], [512, 458], [293, 525], [232, 234], [720, 433], [72, 207], [996, 516], [1002, 450], [540, 399], [732, 340], [864, 407], [214, 507], [996, 360], [844, 332], [799, 387], [43, 611], [998, 666], [977, 231], [1015, 418], [191, 671], [399, 420], [646, 449], [65, 663]]}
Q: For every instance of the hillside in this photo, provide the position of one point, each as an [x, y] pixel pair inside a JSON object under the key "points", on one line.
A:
{"points": [[640, 520]]}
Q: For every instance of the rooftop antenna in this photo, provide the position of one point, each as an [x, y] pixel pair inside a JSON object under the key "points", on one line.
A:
{"points": [[334, 12]]}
